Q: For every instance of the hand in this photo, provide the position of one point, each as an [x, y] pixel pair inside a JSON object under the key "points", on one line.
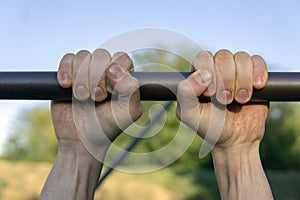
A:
{"points": [[237, 163], [93, 77], [232, 79]]}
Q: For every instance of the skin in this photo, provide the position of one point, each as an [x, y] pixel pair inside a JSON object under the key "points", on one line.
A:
{"points": [[92, 76], [95, 75], [232, 79]]}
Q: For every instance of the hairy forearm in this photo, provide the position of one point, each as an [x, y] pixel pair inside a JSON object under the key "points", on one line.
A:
{"points": [[240, 174], [74, 175]]}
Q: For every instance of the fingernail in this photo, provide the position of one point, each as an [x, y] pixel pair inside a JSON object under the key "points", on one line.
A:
{"points": [[81, 92], [242, 95], [98, 93], [204, 77], [225, 97], [116, 71]]}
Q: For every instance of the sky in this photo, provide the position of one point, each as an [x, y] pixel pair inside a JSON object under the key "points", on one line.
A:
{"points": [[35, 34]]}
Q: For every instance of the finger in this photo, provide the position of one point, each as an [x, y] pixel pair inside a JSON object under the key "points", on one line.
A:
{"points": [[189, 90], [64, 74], [260, 72], [244, 77], [205, 61], [225, 70], [97, 77], [81, 75], [126, 87], [123, 60]]}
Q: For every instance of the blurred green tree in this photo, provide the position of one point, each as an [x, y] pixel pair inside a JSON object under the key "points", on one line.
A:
{"points": [[280, 147], [31, 136]]}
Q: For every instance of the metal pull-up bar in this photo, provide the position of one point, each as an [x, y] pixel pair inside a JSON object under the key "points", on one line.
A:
{"points": [[158, 86]]}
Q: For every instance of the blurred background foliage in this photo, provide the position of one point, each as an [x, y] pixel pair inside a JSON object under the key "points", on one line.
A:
{"points": [[32, 137]]}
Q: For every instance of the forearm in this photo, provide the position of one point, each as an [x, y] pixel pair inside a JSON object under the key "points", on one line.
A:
{"points": [[74, 175], [240, 174]]}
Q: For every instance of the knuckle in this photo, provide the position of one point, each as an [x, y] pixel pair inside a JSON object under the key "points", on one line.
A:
{"points": [[118, 53], [67, 58], [223, 53], [66, 61], [121, 56], [259, 61], [82, 54], [81, 63], [208, 53], [202, 55], [241, 55], [101, 52], [257, 57]]}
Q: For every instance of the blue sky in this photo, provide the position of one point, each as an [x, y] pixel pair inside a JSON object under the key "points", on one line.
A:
{"points": [[36, 34]]}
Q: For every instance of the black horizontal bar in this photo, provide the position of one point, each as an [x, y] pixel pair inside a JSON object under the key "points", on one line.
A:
{"points": [[158, 86]]}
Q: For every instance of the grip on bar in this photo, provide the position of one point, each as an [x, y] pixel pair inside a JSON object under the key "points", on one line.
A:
{"points": [[158, 86]]}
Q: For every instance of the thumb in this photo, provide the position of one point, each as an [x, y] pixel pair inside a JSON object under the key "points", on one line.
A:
{"points": [[188, 93], [125, 93]]}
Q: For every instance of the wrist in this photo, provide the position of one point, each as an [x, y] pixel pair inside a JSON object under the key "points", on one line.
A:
{"points": [[239, 172], [77, 149], [74, 174], [236, 160], [236, 151]]}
